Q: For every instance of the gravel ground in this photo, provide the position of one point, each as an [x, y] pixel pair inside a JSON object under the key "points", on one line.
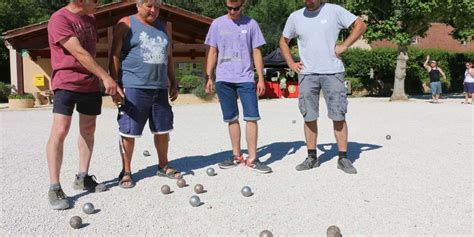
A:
{"points": [[419, 182]]}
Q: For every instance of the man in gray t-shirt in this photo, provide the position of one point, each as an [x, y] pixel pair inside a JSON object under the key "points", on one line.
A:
{"points": [[317, 28]]}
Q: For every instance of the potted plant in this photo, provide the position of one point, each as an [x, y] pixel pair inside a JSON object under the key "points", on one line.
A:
{"points": [[25, 100]]}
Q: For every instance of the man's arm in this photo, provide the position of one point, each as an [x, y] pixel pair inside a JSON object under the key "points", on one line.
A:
{"points": [[258, 61], [285, 51], [116, 52], [211, 64], [358, 29], [73, 46]]}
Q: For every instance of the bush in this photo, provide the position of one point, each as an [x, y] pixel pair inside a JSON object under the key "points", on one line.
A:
{"points": [[190, 81], [200, 92], [21, 96], [5, 91]]}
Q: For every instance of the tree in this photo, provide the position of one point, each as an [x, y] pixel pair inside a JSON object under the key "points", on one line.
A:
{"points": [[399, 21]]}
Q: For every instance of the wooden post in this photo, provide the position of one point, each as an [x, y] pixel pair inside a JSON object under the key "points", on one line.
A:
{"points": [[19, 71]]}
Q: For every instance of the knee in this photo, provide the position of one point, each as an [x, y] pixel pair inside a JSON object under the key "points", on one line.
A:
{"points": [[88, 130], [60, 133], [339, 125]]}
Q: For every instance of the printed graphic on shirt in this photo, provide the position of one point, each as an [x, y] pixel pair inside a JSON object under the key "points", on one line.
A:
{"points": [[85, 33], [153, 50]]}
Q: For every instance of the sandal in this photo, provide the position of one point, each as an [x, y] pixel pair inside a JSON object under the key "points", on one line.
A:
{"points": [[162, 172], [128, 180]]}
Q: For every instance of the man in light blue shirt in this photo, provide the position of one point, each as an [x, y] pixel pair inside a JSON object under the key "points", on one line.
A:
{"points": [[317, 28]]}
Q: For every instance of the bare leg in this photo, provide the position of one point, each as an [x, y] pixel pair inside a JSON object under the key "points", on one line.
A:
{"points": [[126, 152], [54, 148], [340, 132], [252, 137], [311, 134], [234, 132], [85, 141], [161, 145], [128, 147]]}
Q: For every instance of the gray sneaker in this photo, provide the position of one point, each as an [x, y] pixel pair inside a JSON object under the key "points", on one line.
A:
{"points": [[231, 162], [345, 165], [58, 200], [258, 166], [308, 163], [89, 183]]}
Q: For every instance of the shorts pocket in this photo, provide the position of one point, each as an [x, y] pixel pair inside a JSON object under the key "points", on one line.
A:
{"points": [[123, 120], [343, 102], [302, 104]]}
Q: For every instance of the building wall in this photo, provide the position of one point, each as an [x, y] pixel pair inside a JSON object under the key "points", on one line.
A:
{"points": [[42, 66]]}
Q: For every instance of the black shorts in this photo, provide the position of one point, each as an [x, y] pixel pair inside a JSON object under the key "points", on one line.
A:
{"points": [[87, 103]]}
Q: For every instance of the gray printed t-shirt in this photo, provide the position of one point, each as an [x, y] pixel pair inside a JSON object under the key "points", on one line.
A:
{"points": [[235, 41], [317, 34]]}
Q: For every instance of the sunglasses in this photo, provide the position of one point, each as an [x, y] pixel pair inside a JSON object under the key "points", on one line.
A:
{"points": [[236, 9]]}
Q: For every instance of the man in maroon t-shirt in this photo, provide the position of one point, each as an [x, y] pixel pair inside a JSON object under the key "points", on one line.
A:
{"points": [[72, 38]]}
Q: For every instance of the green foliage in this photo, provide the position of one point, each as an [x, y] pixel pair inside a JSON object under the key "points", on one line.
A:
{"points": [[270, 14], [356, 83], [4, 92], [200, 92], [401, 20], [358, 63], [21, 96], [190, 81]]}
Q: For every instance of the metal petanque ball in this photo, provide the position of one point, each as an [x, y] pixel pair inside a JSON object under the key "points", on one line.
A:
{"points": [[294, 121], [88, 208], [388, 137], [165, 189], [266, 233], [146, 153], [210, 171], [181, 183], [195, 201], [246, 191], [334, 231], [75, 222], [198, 188]]}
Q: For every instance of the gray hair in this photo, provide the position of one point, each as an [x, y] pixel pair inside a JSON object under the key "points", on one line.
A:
{"points": [[140, 2]]}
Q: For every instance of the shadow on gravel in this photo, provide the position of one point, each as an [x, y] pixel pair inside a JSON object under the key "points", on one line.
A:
{"points": [[354, 150], [188, 164]]}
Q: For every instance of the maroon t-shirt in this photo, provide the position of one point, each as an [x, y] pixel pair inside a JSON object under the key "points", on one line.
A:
{"points": [[68, 73]]}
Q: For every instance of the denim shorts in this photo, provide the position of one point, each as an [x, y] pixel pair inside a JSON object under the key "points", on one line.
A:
{"points": [[435, 87], [142, 105], [334, 92], [85, 103], [228, 94], [469, 87]]}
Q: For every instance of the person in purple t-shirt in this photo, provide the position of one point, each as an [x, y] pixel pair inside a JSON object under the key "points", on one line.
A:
{"points": [[234, 42], [75, 78]]}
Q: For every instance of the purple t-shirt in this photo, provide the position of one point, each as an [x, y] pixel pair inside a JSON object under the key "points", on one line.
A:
{"points": [[68, 73], [235, 41]]}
